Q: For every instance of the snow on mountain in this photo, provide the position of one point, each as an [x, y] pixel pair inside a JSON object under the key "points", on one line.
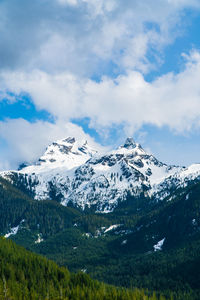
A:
{"points": [[67, 153], [72, 171], [106, 179], [159, 245], [14, 230], [180, 179], [54, 169]]}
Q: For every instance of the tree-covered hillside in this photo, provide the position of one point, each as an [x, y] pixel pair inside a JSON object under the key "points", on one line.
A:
{"points": [[24, 275]]}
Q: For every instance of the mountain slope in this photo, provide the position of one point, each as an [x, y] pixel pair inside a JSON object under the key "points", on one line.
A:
{"points": [[24, 275], [19, 214], [73, 173]]}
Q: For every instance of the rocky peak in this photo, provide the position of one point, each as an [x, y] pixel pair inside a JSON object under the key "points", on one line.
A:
{"points": [[129, 143], [70, 140], [130, 148], [66, 153]]}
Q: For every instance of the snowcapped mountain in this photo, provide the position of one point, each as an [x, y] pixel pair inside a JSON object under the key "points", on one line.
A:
{"points": [[73, 172], [64, 154]]}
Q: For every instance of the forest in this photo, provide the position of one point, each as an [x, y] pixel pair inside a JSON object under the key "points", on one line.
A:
{"points": [[24, 275]]}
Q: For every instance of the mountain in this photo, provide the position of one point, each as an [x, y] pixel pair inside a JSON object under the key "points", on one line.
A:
{"points": [[64, 154], [122, 216], [73, 173]]}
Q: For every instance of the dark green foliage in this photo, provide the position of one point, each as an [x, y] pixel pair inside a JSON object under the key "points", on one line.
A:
{"points": [[92, 222], [24, 275]]}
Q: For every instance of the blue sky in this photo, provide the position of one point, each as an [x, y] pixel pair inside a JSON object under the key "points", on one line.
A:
{"points": [[100, 70]]}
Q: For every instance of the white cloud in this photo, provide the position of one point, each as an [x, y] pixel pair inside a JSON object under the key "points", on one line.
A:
{"points": [[60, 94], [84, 35], [172, 99]]}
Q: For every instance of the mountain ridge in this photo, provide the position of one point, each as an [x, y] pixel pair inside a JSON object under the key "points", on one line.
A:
{"points": [[72, 172]]}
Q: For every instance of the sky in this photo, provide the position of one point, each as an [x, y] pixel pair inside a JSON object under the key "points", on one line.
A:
{"points": [[100, 70]]}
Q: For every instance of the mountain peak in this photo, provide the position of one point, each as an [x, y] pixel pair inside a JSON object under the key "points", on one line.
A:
{"points": [[70, 140], [129, 143], [66, 153], [131, 146]]}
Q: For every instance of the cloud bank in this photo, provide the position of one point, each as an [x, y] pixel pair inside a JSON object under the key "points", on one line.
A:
{"points": [[83, 36], [53, 50], [171, 99]]}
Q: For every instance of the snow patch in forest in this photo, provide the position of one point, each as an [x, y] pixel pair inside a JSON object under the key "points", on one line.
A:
{"points": [[13, 230], [159, 245], [39, 239]]}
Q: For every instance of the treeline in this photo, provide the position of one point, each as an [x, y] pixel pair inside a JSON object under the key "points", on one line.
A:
{"points": [[24, 275]]}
